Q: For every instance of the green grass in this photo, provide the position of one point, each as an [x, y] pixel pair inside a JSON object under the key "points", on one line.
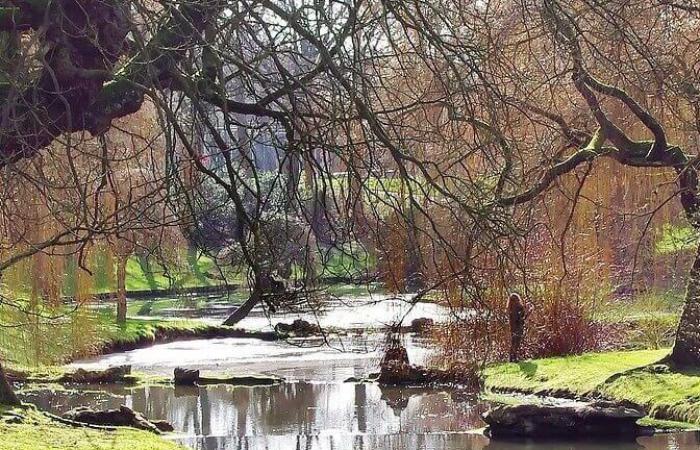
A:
{"points": [[579, 375], [39, 432], [666, 394], [192, 273], [135, 330], [652, 305], [80, 334], [650, 318]]}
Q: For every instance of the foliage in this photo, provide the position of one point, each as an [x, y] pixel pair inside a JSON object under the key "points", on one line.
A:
{"points": [[675, 239], [561, 323]]}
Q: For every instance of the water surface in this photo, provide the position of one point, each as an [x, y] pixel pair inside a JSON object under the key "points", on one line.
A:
{"points": [[314, 409]]}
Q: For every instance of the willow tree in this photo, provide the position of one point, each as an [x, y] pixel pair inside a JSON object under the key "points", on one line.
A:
{"points": [[477, 109]]}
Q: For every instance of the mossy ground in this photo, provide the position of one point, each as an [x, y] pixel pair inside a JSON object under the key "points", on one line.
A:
{"points": [[665, 393], [36, 431]]}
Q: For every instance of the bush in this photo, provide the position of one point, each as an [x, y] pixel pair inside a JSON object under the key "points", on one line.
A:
{"points": [[557, 324]]}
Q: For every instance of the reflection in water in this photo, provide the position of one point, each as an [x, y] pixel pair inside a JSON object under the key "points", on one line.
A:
{"points": [[317, 416], [321, 416]]}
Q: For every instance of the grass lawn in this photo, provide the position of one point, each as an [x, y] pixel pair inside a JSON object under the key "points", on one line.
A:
{"points": [[191, 273], [39, 432], [666, 394]]}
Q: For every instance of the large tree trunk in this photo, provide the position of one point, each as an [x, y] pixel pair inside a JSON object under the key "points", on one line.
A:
{"points": [[121, 290], [242, 311], [7, 394], [686, 350]]}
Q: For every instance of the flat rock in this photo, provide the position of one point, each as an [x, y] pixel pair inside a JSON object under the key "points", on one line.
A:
{"points": [[190, 377], [572, 419], [241, 380], [398, 373]]}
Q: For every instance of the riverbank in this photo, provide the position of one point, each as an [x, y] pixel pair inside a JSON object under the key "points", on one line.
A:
{"points": [[26, 428], [624, 376], [134, 334], [140, 333], [23, 428]]}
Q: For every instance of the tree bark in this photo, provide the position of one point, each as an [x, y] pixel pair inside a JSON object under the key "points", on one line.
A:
{"points": [[121, 290], [7, 394], [686, 349], [242, 311]]}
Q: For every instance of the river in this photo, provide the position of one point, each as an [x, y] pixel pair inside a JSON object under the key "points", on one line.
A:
{"points": [[315, 408]]}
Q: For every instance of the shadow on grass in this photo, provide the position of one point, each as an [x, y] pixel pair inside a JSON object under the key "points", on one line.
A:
{"points": [[528, 368]]}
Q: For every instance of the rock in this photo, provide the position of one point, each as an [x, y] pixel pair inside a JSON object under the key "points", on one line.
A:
{"points": [[163, 426], [299, 327], [421, 325], [122, 417], [189, 377], [565, 420], [244, 380], [111, 375], [185, 377]]}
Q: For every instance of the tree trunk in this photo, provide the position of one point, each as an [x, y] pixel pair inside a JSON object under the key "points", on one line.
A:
{"points": [[686, 350], [121, 290], [412, 271], [242, 311], [7, 394], [317, 204]]}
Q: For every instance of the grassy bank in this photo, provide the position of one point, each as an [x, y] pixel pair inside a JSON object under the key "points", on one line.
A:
{"points": [[37, 431], [666, 394], [137, 333], [54, 343]]}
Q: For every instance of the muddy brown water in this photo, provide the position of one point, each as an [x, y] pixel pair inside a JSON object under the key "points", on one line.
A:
{"points": [[314, 409]]}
